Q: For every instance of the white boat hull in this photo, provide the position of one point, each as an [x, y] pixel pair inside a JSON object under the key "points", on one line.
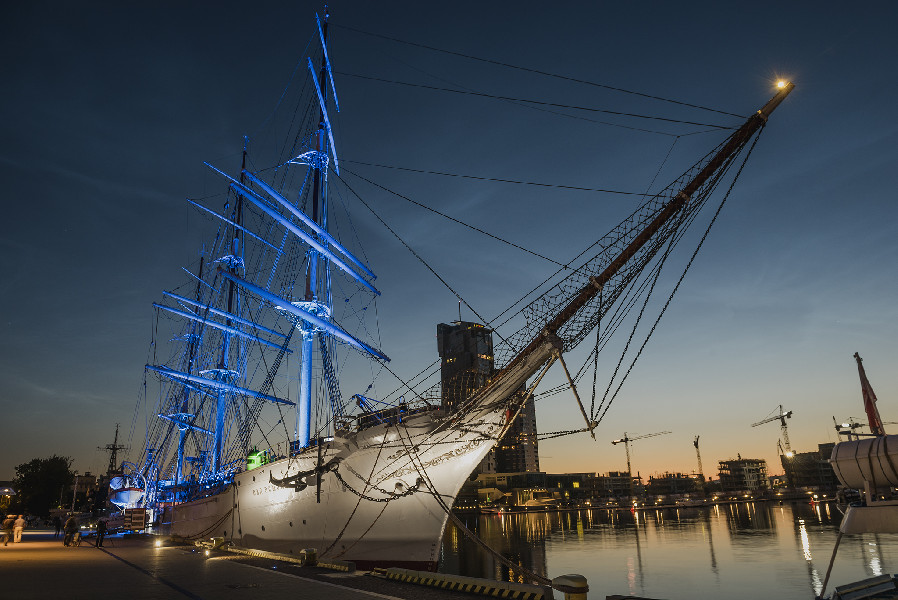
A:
{"points": [[383, 462]]}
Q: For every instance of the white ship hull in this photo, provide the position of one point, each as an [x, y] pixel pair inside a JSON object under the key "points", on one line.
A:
{"points": [[380, 462]]}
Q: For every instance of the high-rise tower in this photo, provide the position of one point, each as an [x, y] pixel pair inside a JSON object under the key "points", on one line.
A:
{"points": [[466, 353]]}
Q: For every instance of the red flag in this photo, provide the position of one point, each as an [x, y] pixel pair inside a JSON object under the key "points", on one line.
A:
{"points": [[869, 400]]}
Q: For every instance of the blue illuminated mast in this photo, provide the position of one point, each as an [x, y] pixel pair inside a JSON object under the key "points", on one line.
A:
{"points": [[248, 299], [223, 375], [314, 303]]}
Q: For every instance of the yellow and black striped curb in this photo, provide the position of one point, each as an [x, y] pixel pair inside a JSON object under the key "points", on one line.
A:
{"points": [[471, 585], [335, 565]]}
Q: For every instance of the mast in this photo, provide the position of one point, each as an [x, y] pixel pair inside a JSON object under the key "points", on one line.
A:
{"points": [[312, 302], [223, 373], [183, 414], [113, 449]]}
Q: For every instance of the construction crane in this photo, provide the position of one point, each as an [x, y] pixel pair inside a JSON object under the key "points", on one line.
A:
{"points": [[782, 451], [699, 456], [626, 442], [781, 416]]}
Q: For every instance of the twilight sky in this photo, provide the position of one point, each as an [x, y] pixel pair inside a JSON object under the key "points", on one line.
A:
{"points": [[110, 109]]}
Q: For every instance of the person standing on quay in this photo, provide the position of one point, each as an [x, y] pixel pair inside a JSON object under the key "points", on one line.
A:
{"points": [[101, 532], [8, 525], [71, 528], [57, 522], [19, 526]]}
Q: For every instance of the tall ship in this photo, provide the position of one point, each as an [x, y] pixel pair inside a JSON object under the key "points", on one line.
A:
{"points": [[251, 434]]}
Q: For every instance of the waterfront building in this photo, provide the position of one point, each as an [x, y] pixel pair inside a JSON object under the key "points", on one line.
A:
{"points": [[517, 451], [466, 360], [466, 365], [617, 484], [87, 483], [743, 474], [504, 490], [672, 484], [811, 469], [572, 488]]}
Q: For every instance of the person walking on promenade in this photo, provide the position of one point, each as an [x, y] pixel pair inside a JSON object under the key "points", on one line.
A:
{"points": [[71, 528], [8, 525], [18, 527], [101, 532], [57, 523]]}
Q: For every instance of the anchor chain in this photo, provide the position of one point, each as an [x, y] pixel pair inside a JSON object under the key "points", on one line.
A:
{"points": [[390, 496], [295, 481]]}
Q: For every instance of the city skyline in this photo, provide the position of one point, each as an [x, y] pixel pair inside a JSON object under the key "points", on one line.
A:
{"points": [[108, 125]]}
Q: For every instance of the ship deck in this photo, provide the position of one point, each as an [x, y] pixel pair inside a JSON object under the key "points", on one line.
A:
{"points": [[135, 568]]}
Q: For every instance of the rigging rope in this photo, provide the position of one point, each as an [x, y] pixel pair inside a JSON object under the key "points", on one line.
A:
{"points": [[493, 179], [683, 275], [454, 220], [538, 108], [536, 102], [415, 254], [538, 72]]}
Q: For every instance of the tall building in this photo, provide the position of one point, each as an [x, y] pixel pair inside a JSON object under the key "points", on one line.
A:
{"points": [[743, 474], [517, 451], [466, 365], [466, 360], [811, 469]]}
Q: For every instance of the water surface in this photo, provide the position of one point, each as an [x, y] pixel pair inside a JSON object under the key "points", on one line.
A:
{"points": [[733, 551]]}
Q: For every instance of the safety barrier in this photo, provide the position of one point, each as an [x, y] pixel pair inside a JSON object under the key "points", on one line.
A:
{"points": [[471, 585]]}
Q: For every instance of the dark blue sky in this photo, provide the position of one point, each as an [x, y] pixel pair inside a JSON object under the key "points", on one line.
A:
{"points": [[109, 110]]}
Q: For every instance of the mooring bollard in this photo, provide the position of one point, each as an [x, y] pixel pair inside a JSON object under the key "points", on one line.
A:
{"points": [[573, 586]]}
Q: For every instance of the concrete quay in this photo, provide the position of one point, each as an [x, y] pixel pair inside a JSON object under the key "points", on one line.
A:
{"points": [[136, 569]]}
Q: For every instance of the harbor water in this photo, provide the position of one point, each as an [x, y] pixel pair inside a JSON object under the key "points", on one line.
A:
{"points": [[734, 551]]}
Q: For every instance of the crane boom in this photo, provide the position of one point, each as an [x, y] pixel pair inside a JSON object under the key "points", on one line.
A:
{"points": [[626, 442], [781, 417]]}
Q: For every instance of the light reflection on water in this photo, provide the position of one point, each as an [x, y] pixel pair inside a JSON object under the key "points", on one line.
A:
{"points": [[735, 551]]}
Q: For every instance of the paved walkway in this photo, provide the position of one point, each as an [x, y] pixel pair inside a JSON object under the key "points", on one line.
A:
{"points": [[135, 569]]}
